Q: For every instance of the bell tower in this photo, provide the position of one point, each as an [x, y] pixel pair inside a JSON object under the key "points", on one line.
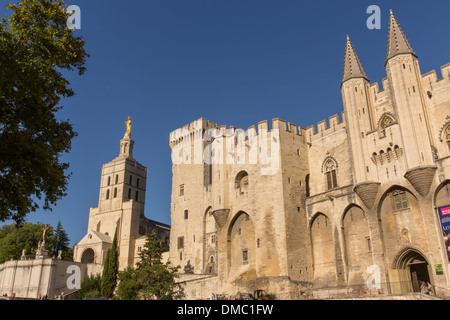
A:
{"points": [[120, 207]]}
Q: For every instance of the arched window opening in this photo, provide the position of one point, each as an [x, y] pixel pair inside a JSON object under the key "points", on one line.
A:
{"points": [[88, 256], [241, 182], [330, 172], [384, 122]]}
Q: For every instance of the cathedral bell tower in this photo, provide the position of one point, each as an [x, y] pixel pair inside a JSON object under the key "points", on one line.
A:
{"points": [[120, 208]]}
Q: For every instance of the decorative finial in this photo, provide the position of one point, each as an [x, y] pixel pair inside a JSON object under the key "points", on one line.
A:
{"points": [[128, 132]]}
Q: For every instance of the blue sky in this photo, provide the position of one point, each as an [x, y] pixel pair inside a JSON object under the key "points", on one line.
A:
{"points": [[167, 63]]}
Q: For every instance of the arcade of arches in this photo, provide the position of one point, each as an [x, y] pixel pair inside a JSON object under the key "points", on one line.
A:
{"points": [[343, 251]]}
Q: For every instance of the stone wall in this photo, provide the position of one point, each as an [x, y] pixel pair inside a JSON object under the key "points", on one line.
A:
{"points": [[39, 277]]}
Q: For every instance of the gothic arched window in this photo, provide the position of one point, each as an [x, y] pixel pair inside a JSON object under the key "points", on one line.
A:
{"points": [[330, 173], [385, 121]]}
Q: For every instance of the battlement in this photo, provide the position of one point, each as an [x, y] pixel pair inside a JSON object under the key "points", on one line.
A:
{"points": [[197, 129], [430, 78], [324, 128], [431, 81]]}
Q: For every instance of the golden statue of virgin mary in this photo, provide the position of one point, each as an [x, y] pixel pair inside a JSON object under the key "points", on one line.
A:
{"points": [[128, 132]]}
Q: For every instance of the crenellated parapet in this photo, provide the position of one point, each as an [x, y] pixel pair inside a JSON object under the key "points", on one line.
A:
{"points": [[207, 130], [430, 80], [324, 128]]}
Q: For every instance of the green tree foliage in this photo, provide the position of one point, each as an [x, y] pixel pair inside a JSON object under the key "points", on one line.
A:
{"points": [[129, 287], [15, 238], [151, 279], [36, 46], [157, 280], [110, 270], [62, 243], [90, 287]]}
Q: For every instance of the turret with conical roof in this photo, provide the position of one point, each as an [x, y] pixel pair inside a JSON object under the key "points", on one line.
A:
{"points": [[352, 65], [357, 109], [408, 100], [397, 41]]}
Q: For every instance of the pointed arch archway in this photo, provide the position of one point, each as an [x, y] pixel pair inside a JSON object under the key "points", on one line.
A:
{"points": [[357, 243], [241, 245], [400, 220], [323, 251], [409, 269], [209, 242]]}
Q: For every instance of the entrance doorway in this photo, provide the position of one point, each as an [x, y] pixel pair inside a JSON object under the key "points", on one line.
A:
{"points": [[419, 274], [410, 270]]}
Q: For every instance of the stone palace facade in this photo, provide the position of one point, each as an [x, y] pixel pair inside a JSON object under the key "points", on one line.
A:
{"points": [[350, 203]]}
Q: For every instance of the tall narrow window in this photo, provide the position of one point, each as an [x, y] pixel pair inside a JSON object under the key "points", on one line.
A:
{"points": [[129, 193], [186, 214], [137, 182], [115, 192], [209, 174], [107, 194], [117, 178], [182, 190], [131, 180], [330, 172], [245, 256], [180, 242], [137, 196], [307, 185], [109, 181]]}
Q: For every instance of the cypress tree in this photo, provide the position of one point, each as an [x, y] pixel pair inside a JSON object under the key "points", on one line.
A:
{"points": [[110, 270]]}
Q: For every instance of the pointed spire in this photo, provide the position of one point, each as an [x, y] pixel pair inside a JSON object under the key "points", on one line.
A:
{"points": [[352, 65], [397, 41]]}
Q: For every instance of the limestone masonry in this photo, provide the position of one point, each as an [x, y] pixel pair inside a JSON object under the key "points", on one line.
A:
{"points": [[358, 204], [351, 203]]}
